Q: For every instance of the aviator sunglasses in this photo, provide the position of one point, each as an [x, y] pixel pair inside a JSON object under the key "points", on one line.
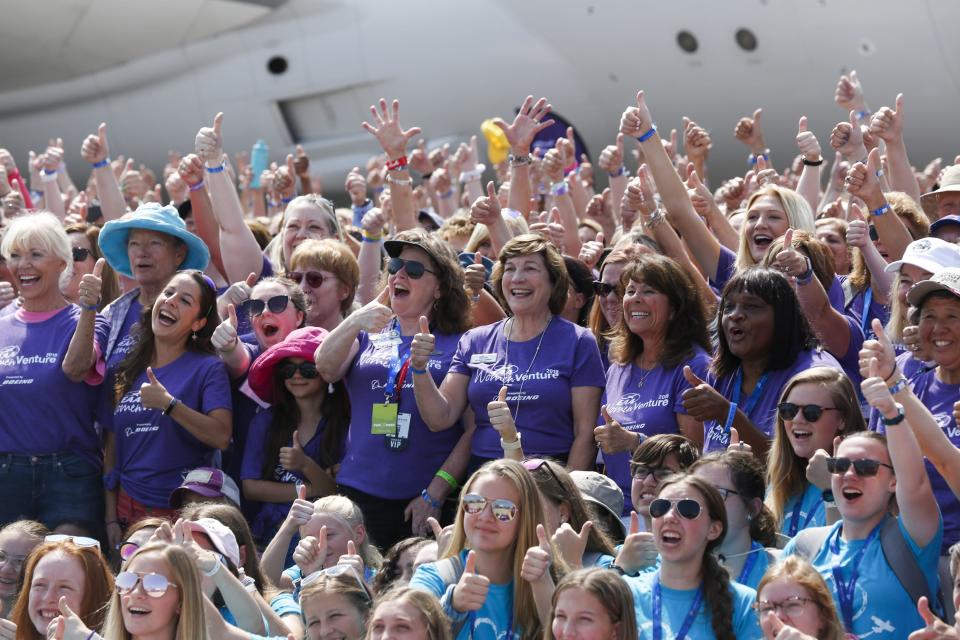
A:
{"points": [[864, 467], [811, 412], [503, 510], [686, 508], [414, 268], [154, 584]]}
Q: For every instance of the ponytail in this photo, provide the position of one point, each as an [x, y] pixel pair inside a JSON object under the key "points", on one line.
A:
{"points": [[716, 594]]}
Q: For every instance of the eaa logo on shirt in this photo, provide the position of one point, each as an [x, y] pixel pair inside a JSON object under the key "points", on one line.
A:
{"points": [[504, 373], [8, 355], [630, 402], [949, 426]]}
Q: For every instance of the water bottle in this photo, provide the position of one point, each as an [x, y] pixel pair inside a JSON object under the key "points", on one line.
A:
{"points": [[259, 159]]}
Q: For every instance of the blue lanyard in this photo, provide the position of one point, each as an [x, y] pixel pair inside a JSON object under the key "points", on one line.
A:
{"points": [[687, 621], [396, 371], [865, 314], [751, 403], [795, 517], [755, 548], [847, 589]]}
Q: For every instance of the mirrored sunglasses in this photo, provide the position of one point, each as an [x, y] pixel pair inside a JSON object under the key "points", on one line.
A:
{"points": [[154, 584], [503, 510]]}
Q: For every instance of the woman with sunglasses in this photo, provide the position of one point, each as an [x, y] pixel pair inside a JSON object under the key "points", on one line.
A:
{"points": [[591, 604], [157, 595], [372, 351], [300, 439], [763, 340], [868, 471], [328, 274], [690, 594], [662, 329], [171, 404], [83, 241], [816, 407], [794, 603], [749, 546], [608, 299], [335, 603], [480, 581], [550, 366], [70, 569]]}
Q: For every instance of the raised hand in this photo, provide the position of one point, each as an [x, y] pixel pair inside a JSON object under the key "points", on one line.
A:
{"points": [[863, 182], [849, 93], [154, 395], [611, 437], [91, 285], [356, 187], [611, 158], [700, 197], [567, 148], [789, 260], [388, 132], [847, 138], [474, 276], [66, 626], [636, 121], [375, 315], [639, 549], [935, 628], [817, 472], [887, 123], [203, 559], [536, 562], [529, 121], [807, 142], [749, 132], [880, 350], [765, 173], [373, 222], [592, 250], [225, 338], [858, 231], [209, 142], [419, 160], [501, 419], [293, 458], [572, 544], [301, 163], [736, 444], [876, 392], [302, 509], [701, 400], [285, 180], [95, 148], [696, 140], [423, 345], [471, 591], [352, 558], [311, 552], [553, 166]]}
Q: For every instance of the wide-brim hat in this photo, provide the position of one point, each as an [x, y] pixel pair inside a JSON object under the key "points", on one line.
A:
{"points": [[945, 280], [949, 182], [151, 217], [301, 343]]}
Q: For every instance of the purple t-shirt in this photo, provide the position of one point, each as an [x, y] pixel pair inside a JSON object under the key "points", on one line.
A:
{"points": [[763, 413], [393, 467], [540, 375], [153, 451], [128, 336], [938, 397], [876, 310], [726, 267], [43, 411], [648, 408]]}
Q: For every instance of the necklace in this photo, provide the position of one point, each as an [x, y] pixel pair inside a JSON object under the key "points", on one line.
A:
{"points": [[506, 358], [646, 373], [723, 558]]}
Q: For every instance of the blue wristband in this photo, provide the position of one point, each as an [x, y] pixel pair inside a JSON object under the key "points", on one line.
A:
{"points": [[879, 211], [730, 416], [436, 504], [88, 307], [414, 370], [103, 163], [286, 200], [648, 134], [216, 169]]}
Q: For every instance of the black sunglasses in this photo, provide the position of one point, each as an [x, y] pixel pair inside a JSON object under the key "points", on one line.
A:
{"points": [[603, 289], [314, 278], [307, 370], [276, 304], [414, 268], [811, 412], [686, 508], [864, 467], [80, 254]]}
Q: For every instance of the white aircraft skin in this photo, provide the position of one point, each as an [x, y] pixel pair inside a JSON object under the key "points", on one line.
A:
{"points": [[453, 64]]}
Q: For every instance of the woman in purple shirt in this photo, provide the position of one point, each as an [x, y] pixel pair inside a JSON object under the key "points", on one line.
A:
{"points": [[663, 328]]}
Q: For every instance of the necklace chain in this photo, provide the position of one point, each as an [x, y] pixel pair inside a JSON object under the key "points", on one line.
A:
{"points": [[506, 358], [722, 558]]}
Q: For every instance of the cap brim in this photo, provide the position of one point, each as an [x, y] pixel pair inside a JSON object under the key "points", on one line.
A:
{"points": [[614, 517], [921, 290], [176, 497], [924, 263], [395, 247]]}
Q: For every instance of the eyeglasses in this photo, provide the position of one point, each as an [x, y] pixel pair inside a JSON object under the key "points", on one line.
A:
{"points": [[334, 571], [503, 510], [603, 289], [414, 268], [314, 278], [307, 370], [864, 467], [127, 549], [154, 584], [15, 561], [641, 472], [533, 464], [80, 541], [726, 493], [276, 304], [686, 508], [811, 412], [793, 606], [80, 254]]}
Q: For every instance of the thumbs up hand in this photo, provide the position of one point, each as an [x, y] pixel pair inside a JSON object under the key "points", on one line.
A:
{"points": [[95, 148], [572, 544], [91, 285], [501, 419], [789, 260], [611, 158], [300, 511], [880, 349], [423, 345], [807, 141], [611, 437], [154, 395], [474, 276], [311, 552], [209, 142], [237, 293], [749, 132], [471, 591], [224, 338], [536, 562], [293, 458], [639, 549], [375, 315], [701, 400], [863, 181], [67, 625], [876, 392], [887, 123], [352, 558]]}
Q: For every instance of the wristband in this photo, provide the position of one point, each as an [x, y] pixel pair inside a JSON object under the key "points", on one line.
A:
{"points": [[827, 496], [436, 504], [369, 237], [619, 173], [415, 371], [559, 188], [214, 571], [470, 176], [648, 134], [572, 168], [286, 200], [403, 182], [806, 276], [170, 407], [511, 446], [813, 163], [450, 480], [879, 211], [378, 190], [88, 307], [516, 161], [899, 386], [197, 186], [731, 414], [216, 169], [399, 163], [895, 420], [448, 194], [624, 572], [48, 177], [862, 115], [103, 163], [752, 159]]}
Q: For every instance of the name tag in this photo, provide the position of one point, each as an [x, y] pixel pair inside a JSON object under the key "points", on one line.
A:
{"points": [[483, 358]]}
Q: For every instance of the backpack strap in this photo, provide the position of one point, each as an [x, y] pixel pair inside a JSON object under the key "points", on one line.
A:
{"points": [[809, 541], [900, 557], [450, 569], [849, 293]]}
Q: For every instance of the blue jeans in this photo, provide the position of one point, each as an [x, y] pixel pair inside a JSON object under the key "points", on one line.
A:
{"points": [[51, 488]]}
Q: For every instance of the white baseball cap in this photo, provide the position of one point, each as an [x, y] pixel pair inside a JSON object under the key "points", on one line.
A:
{"points": [[930, 254]]}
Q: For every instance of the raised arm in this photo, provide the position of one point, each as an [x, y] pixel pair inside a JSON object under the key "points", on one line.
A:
{"points": [[863, 182], [706, 206], [858, 235], [750, 132], [393, 139], [611, 161], [212, 429], [370, 258], [48, 166], [334, 356], [439, 408], [697, 144], [887, 124], [809, 185], [530, 120], [190, 171], [81, 355], [560, 195], [96, 151]]}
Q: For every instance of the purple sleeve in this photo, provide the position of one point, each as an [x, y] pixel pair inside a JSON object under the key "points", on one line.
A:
{"points": [[700, 363], [461, 358], [836, 294], [587, 366], [216, 388], [726, 265], [254, 448]]}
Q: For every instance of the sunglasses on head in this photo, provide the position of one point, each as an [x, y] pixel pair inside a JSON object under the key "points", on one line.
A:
{"points": [[334, 571], [314, 278], [276, 304], [80, 254], [603, 289], [154, 584], [534, 464], [811, 412], [127, 549], [503, 510], [686, 508], [307, 370], [864, 467], [414, 268], [80, 541]]}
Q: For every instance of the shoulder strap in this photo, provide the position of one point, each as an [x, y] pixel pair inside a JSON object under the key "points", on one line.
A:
{"points": [[809, 541], [904, 564], [450, 569], [849, 293]]}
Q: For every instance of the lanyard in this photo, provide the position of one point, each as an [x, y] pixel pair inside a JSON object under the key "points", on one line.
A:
{"points": [[847, 589], [795, 517], [754, 398], [396, 374], [865, 314], [755, 548], [509, 634], [687, 621]]}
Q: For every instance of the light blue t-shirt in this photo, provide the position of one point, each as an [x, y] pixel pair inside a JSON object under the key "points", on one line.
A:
{"points": [[491, 621], [812, 512], [755, 566], [677, 603], [881, 606]]}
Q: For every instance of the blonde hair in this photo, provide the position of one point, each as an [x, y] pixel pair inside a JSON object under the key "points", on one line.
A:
{"points": [[191, 624], [799, 217], [426, 604], [798, 570], [344, 584], [347, 510], [41, 230]]}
